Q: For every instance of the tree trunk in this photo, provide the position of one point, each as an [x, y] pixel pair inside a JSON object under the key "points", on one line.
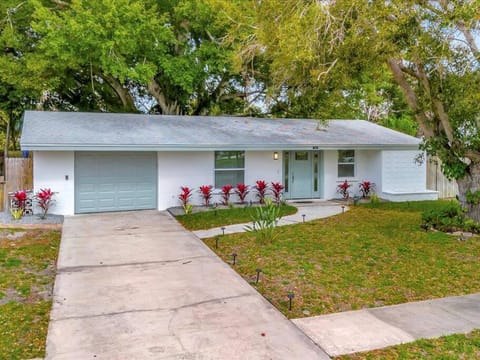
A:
{"points": [[470, 183], [168, 107]]}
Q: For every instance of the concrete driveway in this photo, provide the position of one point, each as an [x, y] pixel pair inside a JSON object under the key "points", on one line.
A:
{"points": [[138, 286]]}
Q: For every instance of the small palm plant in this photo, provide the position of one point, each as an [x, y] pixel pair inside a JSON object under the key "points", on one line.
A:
{"points": [[264, 222]]}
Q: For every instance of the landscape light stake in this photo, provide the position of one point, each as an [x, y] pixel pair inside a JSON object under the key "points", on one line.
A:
{"points": [[303, 216], [234, 255], [290, 298], [223, 230], [258, 275], [216, 241]]}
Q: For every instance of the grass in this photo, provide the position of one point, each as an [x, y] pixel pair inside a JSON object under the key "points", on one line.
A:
{"points": [[458, 346], [27, 270], [364, 258], [215, 218]]}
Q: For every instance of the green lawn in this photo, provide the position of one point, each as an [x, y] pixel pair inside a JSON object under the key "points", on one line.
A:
{"points": [[27, 271], [459, 346], [215, 218], [364, 258]]}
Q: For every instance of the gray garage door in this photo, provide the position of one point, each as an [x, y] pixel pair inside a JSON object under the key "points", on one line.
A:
{"points": [[115, 181]]}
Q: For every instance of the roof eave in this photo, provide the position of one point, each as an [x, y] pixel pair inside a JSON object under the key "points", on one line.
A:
{"points": [[212, 147]]}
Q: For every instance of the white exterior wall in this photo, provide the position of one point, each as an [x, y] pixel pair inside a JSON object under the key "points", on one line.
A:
{"points": [[403, 178], [183, 168], [50, 169], [193, 169], [396, 175], [368, 167], [259, 165]]}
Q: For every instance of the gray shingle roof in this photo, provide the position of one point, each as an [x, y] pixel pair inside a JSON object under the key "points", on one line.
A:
{"points": [[106, 131]]}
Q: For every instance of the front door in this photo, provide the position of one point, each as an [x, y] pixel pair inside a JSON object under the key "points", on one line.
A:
{"points": [[301, 175]]}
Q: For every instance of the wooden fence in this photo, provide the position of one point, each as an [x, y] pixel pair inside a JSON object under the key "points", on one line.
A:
{"points": [[437, 181], [18, 176]]}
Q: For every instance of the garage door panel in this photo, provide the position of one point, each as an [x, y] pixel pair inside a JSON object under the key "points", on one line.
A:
{"points": [[115, 181]]}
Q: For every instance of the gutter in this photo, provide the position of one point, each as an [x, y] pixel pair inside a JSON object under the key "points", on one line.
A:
{"points": [[211, 147]]}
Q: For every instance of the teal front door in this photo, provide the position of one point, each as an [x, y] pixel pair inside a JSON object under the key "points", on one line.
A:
{"points": [[301, 175]]}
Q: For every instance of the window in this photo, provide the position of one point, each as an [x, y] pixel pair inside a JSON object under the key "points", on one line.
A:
{"points": [[301, 155], [229, 168], [346, 163]]}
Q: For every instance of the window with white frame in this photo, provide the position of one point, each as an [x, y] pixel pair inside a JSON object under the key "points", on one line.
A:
{"points": [[346, 163], [229, 168]]}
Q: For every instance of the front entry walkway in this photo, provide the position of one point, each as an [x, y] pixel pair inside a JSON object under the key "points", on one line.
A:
{"points": [[138, 286], [312, 211]]}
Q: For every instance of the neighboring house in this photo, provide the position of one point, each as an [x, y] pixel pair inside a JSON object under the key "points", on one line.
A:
{"points": [[100, 162]]}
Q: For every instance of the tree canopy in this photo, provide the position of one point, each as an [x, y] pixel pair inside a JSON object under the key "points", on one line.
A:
{"points": [[347, 54], [124, 55], [408, 64]]}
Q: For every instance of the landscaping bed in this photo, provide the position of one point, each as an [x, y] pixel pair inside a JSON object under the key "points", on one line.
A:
{"points": [[206, 218], [27, 273], [369, 256], [458, 346]]}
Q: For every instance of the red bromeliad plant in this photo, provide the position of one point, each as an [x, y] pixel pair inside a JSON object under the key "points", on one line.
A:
{"points": [[261, 189], [226, 192], [277, 190], [44, 200], [366, 187], [242, 191], [343, 189], [206, 192], [20, 197], [185, 195]]}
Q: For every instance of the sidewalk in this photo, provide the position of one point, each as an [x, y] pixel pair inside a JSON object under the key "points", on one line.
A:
{"points": [[312, 211], [370, 329]]}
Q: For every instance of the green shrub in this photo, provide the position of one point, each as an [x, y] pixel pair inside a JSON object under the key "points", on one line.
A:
{"points": [[447, 218]]}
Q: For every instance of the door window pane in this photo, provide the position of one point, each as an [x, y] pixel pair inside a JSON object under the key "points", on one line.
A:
{"points": [[301, 155], [286, 158]]}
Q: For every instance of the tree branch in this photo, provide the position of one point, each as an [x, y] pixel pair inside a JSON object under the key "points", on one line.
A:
{"points": [[167, 108], [124, 95], [467, 33], [425, 128]]}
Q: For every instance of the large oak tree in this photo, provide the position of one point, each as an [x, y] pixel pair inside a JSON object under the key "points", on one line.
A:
{"points": [[428, 49]]}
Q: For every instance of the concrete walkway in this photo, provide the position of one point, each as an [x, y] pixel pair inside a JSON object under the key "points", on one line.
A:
{"points": [[312, 211], [138, 286], [363, 330]]}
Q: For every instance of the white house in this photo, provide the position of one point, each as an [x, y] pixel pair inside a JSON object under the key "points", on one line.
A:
{"points": [[100, 162]]}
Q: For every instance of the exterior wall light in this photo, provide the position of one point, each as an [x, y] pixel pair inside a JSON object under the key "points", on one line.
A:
{"points": [[275, 155]]}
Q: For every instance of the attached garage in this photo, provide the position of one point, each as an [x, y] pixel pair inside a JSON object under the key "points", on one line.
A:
{"points": [[115, 181]]}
